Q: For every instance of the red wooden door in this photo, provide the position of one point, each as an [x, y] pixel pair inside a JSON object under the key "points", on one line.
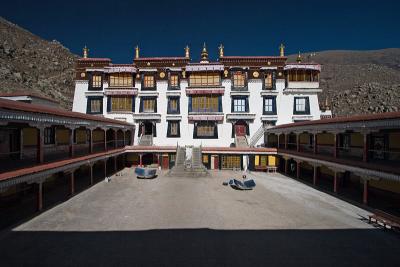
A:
{"points": [[240, 130], [165, 162], [216, 166]]}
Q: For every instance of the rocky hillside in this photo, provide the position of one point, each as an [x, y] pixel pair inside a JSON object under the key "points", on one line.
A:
{"points": [[354, 81], [358, 82], [29, 63]]}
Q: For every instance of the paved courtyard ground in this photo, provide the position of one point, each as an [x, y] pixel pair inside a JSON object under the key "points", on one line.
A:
{"points": [[172, 221]]}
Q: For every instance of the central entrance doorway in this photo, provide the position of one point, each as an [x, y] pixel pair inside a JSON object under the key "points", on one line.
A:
{"points": [[147, 128], [240, 128]]}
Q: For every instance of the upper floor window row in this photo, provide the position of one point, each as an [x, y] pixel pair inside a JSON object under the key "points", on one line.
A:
{"points": [[296, 75], [205, 79], [239, 79], [173, 81], [148, 82], [95, 81], [121, 80]]}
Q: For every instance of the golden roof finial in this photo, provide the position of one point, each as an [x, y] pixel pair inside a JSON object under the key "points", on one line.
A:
{"points": [[299, 58], [187, 52], [282, 50], [137, 52], [221, 50], [85, 52], [204, 54]]}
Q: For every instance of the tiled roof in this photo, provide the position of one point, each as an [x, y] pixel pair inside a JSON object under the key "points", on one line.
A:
{"points": [[23, 93], [20, 106], [357, 118]]}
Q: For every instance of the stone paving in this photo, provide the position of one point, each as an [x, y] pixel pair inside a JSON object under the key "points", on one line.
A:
{"points": [[198, 221]]}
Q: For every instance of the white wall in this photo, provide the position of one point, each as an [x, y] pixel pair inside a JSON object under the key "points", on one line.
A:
{"points": [[284, 102]]}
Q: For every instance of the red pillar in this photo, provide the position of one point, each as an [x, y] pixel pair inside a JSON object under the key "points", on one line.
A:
{"points": [[315, 144], [90, 141], [72, 183], [286, 165], [71, 143], [335, 145], [91, 173], [115, 139], [286, 140], [140, 160], [298, 169], [365, 192], [298, 142], [40, 196], [315, 177], [365, 148], [335, 182], [105, 139], [105, 168], [40, 145]]}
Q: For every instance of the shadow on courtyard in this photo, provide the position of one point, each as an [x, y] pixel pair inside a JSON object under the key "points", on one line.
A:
{"points": [[202, 247]]}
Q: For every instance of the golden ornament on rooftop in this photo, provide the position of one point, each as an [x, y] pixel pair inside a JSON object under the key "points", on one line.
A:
{"points": [[256, 74]]}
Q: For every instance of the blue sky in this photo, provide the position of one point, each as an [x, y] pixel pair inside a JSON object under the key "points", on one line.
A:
{"points": [[163, 28]]}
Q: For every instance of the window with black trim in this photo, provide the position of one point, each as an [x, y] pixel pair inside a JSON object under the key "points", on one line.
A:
{"points": [[49, 135], [269, 81], [122, 103], [148, 82], [238, 80], [240, 104], [173, 129], [269, 105], [94, 105], [173, 105], [148, 105], [121, 80], [205, 130], [95, 81], [301, 105], [173, 82]]}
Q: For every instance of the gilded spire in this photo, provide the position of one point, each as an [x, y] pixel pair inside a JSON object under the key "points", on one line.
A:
{"points": [[221, 50], [137, 52], [282, 50], [187, 52], [299, 58], [204, 54], [85, 52]]}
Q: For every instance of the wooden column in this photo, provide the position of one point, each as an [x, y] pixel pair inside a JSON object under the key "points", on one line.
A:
{"points": [[298, 142], [315, 176], [315, 144], [278, 141], [115, 139], [115, 164], [365, 192], [298, 169], [335, 182], [140, 160], [335, 145], [91, 173], [90, 141], [21, 143], [105, 168], [105, 139], [71, 143], [40, 196], [132, 137], [124, 134], [286, 140], [72, 182], [40, 145], [365, 147], [286, 166]]}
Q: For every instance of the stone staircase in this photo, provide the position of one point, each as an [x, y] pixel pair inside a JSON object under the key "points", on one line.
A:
{"points": [[241, 141], [188, 167], [146, 140], [257, 135]]}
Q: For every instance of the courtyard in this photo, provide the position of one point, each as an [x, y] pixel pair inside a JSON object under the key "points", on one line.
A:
{"points": [[200, 222]]}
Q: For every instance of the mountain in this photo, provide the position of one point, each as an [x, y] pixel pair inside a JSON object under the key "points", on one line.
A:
{"points": [[29, 63], [354, 82], [357, 82]]}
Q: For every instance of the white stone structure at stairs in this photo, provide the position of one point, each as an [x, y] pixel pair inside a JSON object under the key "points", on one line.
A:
{"points": [[192, 167], [146, 140]]}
